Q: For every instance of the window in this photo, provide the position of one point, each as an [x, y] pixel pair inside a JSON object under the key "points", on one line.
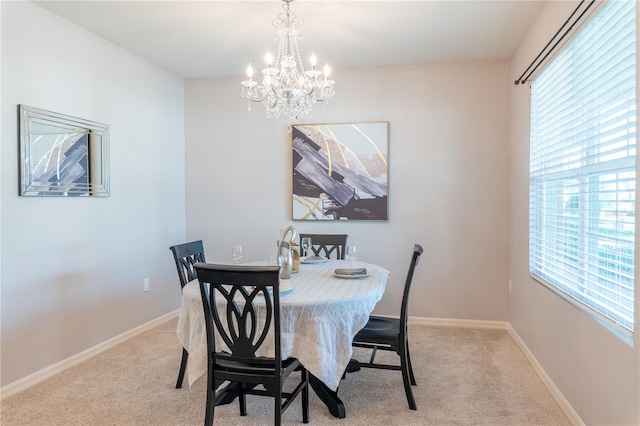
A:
{"points": [[582, 169]]}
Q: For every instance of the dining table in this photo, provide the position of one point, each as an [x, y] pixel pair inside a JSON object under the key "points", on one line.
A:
{"points": [[320, 313]]}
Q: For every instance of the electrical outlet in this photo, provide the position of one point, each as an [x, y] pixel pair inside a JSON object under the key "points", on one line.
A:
{"points": [[509, 285], [145, 285]]}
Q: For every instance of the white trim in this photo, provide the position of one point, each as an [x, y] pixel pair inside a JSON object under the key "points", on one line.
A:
{"points": [[39, 376], [574, 418], [461, 323]]}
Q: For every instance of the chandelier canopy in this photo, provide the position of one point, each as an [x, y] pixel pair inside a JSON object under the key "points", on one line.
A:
{"points": [[287, 90]]}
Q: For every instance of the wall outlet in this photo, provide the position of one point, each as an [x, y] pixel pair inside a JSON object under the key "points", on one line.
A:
{"points": [[509, 285], [145, 285]]}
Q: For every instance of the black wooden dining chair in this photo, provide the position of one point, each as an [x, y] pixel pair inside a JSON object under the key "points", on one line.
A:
{"points": [[186, 255], [325, 245], [240, 304], [390, 334]]}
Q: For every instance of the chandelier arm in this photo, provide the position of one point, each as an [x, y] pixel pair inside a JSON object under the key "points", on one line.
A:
{"points": [[256, 99]]}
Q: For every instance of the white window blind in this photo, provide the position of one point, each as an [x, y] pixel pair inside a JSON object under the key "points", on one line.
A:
{"points": [[582, 168]]}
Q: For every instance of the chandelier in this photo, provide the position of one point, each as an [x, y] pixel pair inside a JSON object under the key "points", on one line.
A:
{"points": [[287, 90]]}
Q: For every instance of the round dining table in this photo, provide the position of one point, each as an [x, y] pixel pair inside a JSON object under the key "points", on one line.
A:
{"points": [[320, 313]]}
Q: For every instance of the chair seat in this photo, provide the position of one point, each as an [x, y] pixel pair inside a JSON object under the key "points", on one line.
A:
{"points": [[382, 325], [231, 366], [380, 330]]}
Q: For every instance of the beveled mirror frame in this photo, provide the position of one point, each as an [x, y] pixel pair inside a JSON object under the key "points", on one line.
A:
{"points": [[61, 155]]}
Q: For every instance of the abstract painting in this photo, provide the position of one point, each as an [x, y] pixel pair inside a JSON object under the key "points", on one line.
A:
{"points": [[340, 171], [66, 161]]}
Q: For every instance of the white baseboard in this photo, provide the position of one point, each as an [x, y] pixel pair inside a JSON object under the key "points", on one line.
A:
{"points": [[574, 418], [45, 373], [460, 323]]}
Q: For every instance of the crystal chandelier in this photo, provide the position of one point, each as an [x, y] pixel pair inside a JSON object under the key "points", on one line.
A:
{"points": [[287, 90]]}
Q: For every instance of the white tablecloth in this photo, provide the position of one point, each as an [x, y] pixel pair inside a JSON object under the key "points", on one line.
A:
{"points": [[319, 318]]}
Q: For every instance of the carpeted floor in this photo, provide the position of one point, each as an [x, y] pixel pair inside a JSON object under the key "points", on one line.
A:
{"points": [[465, 377]]}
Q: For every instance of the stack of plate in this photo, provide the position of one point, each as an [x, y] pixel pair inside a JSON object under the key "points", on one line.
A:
{"points": [[350, 273], [310, 260]]}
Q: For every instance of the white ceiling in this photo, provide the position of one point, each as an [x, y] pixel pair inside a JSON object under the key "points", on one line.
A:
{"points": [[196, 39]]}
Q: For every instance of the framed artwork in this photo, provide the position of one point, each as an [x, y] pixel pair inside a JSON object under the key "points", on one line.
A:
{"points": [[62, 155], [340, 171]]}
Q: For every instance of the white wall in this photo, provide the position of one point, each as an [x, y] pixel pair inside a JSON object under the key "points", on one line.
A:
{"points": [[448, 152], [72, 269], [595, 371]]}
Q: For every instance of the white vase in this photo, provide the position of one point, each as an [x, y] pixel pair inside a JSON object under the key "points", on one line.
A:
{"points": [[285, 260]]}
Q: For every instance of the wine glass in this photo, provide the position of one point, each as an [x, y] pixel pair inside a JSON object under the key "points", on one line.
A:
{"points": [[236, 253], [351, 254], [306, 245]]}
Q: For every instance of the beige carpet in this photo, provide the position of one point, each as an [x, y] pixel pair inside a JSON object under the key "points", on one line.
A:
{"points": [[465, 377]]}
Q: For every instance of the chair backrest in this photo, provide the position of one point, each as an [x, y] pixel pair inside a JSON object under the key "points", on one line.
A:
{"points": [[417, 251], [239, 304], [185, 256], [325, 245]]}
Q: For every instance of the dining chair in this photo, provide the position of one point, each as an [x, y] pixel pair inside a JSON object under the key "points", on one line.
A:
{"points": [[241, 304], [326, 244], [390, 334], [186, 255]]}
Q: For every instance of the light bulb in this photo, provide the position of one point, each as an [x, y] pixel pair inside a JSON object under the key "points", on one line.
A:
{"points": [[268, 59], [313, 60], [327, 70], [249, 71]]}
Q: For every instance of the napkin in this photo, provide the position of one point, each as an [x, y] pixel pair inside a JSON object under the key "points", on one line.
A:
{"points": [[313, 259], [355, 271]]}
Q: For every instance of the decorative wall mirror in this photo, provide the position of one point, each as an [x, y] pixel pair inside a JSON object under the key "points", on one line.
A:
{"points": [[62, 155]]}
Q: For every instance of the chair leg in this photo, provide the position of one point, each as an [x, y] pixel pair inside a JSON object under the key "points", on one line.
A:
{"points": [[183, 368], [277, 418], [305, 396], [373, 355], [211, 396], [411, 376], [242, 400], [208, 417], [404, 366]]}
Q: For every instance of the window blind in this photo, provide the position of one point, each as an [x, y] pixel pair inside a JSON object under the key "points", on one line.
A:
{"points": [[582, 168]]}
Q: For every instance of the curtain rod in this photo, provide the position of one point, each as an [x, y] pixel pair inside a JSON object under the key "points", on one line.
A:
{"points": [[538, 63]]}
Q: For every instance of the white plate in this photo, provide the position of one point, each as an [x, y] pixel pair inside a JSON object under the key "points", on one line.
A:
{"points": [[350, 276], [285, 287], [313, 260]]}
